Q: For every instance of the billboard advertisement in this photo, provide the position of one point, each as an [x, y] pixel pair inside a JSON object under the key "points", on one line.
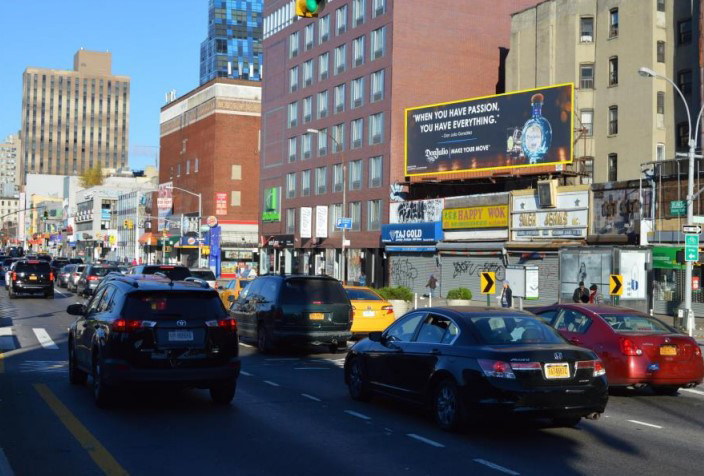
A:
{"points": [[416, 211], [272, 205], [164, 202], [513, 130], [221, 203]]}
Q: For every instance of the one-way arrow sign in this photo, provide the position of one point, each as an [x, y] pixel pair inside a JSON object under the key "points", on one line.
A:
{"points": [[488, 282], [696, 229], [616, 285]]}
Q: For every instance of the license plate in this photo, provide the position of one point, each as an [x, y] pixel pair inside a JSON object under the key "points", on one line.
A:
{"points": [[180, 336], [368, 313], [32, 278], [316, 316], [557, 371], [668, 350]]}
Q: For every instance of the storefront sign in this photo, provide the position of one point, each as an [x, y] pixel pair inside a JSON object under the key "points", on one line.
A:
{"points": [[306, 222], [238, 255], [212, 222], [416, 211], [221, 203], [665, 257], [411, 233], [321, 221], [272, 205], [520, 129], [494, 216], [280, 241], [567, 221]]}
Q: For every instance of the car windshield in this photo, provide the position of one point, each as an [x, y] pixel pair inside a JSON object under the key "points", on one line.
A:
{"points": [[515, 330], [32, 267], [174, 273], [102, 271], [168, 305], [206, 275], [362, 295], [635, 322], [313, 291]]}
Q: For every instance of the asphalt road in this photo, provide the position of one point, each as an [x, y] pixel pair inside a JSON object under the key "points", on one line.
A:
{"points": [[291, 416]]}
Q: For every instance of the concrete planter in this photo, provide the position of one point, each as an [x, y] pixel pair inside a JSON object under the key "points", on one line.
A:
{"points": [[400, 307], [459, 302]]}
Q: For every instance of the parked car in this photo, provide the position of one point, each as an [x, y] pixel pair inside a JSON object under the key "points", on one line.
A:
{"points": [[173, 272], [152, 331], [371, 311], [636, 349], [294, 309], [232, 288], [31, 277], [91, 277], [64, 274], [206, 274], [72, 283], [469, 362]]}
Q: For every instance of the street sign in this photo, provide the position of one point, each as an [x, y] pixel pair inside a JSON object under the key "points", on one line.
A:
{"points": [[616, 285], [678, 208], [343, 223], [691, 247], [487, 282], [698, 219], [696, 229]]}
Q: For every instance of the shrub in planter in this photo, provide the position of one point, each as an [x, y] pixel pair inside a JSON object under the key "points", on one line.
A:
{"points": [[460, 293], [398, 293]]}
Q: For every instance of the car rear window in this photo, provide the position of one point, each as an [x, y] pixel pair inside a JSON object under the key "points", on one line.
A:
{"points": [[362, 295], [8, 262], [29, 267], [174, 273], [515, 330], [102, 271], [637, 323], [313, 291], [169, 305], [75, 261], [206, 275]]}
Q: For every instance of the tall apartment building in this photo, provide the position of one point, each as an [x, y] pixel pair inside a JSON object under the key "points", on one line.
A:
{"points": [[73, 120], [334, 97], [233, 48], [622, 119], [10, 165]]}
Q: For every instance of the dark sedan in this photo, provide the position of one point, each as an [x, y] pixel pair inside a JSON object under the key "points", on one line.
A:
{"points": [[469, 362]]}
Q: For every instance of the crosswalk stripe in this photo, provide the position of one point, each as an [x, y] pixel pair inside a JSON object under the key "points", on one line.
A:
{"points": [[7, 341], [44, 338]]}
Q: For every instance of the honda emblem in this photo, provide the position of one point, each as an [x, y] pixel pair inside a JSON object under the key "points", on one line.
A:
{"points": [[558, 355], [181, 323]]}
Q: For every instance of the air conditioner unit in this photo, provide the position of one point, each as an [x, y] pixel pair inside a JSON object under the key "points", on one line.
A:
{"points": [[547, 193]]}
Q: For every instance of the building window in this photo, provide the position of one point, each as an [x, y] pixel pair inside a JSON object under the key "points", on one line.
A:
{"points": [[682, 135], [235, 198], [236, 172], [293, 114], [661, 5], [356, 215], [306, 145], [290, 221], [355, 175], [195, 166], [291, 185], [308, 36], [335, 212], [321, 184], [305, 183], [293, 79], [359, 8], [293, 41], [337, 178], [188, 167], [377, 87], [307, 109], [324, 29], [357, 93], [292, 146], [376, 128], [586, 76], [613, 23], [378, 43], [661, 102], [613, 167], [178, 170], [684, 31], [322, 142], [339, 98], [356, 128], [613, 71], [338, 133], [358, 51], [340, 59], [373, 215], [586, 28], [684, 81], [308, 73], [586, 117], [660, 151], [661, 51], [322, 104], [378, 7], [613, 120], [587, 170], [323, 64], [341, 20], [375, 168]]}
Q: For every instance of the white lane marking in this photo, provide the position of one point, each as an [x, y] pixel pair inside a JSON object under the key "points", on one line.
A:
{"points": [[311, 368], [691, 390], [310, 397], [44, 338], [496, 467], [358, 415], [60, 293], [51, 366], [246, 345], [273, 384], [645, 424], [7, 342], [427, 441], [5, 468], [245, 373]]}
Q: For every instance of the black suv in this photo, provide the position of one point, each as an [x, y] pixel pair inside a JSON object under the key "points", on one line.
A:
{"points": [[174, 272], [31, 277], [91, 277], [294, 309], [150, 331]]}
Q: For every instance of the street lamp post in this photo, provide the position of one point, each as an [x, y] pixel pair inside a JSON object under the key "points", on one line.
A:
{"points": [[200, 214], [343, 257], [693, 136]]}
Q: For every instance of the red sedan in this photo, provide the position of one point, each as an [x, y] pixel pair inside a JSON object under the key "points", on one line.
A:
{"points": [[636, 349]]}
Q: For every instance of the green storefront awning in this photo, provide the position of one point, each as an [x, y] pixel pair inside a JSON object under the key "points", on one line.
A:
{"points": [[665, 257]]}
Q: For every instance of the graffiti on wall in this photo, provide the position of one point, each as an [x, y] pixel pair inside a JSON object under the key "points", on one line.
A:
{"points": [[418, 211], [470, 268], [403, 273]]}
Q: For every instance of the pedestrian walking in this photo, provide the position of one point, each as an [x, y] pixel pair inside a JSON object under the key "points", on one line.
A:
{"points": [[595, 295], [506, 295], [362, 279], [432, 284], [580, 294]]}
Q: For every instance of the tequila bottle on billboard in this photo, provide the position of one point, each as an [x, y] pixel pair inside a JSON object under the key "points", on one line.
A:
{"points": [[537, 132]]}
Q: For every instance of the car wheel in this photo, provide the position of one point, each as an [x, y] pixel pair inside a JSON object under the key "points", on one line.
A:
{"points": [[567, 422], [263, 339], [223, 393], [75, 375], [102, 393], [447, 406], [666, 390], [356, 382]]}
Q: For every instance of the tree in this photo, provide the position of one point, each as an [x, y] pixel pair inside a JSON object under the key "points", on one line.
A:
{"points": [[92, 176]]}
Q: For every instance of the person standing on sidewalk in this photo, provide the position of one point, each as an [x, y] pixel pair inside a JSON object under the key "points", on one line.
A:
{"points": [[595, 295], [580, 295], [506, 295], [432, 284]]}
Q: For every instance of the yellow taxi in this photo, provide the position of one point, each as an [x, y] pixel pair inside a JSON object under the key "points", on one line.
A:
{"points": [[232, 288], [371, 311]]}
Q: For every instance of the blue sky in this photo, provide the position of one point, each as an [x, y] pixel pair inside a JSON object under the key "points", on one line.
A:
{"points": [[154, 42]]}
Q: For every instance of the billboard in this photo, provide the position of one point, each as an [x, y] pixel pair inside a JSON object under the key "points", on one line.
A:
{"points": [[221, 203], [416, 211], [272, 204], [514, 130], [164, 202]]}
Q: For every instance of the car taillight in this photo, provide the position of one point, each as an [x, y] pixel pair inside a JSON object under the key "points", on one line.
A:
{"points": [[597, 365], [525, 366], [351, 313], [228, 324], [14, 276], [92, 278], [628, 347], [496, 368], [126, 325], [388, 309], [51, 276]]}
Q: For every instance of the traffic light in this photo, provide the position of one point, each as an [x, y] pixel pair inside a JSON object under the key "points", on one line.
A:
{"points": [[309, 8]]}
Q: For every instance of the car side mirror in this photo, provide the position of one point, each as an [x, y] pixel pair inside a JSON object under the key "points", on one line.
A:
{"points": [[76, 309], [376, 336], [230, 298]]}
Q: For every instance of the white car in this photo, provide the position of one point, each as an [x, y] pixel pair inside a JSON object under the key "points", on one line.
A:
{"points": [[8, 275], [205, 274]]}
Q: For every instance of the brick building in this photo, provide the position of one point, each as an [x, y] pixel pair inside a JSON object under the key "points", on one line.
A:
{"points": [[209, 146], [335, 92]]}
